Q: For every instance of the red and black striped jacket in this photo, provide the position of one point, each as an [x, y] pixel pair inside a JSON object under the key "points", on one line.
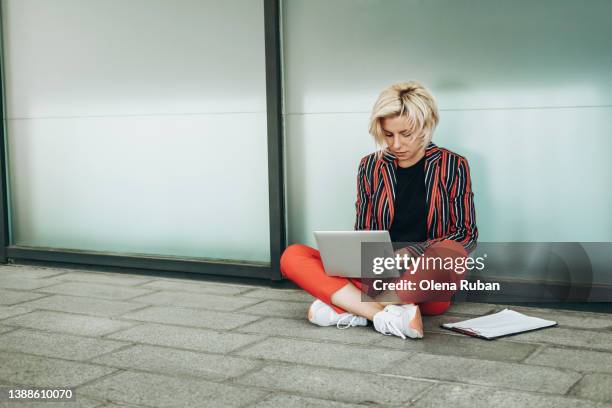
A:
{"points": [[449, 196]]}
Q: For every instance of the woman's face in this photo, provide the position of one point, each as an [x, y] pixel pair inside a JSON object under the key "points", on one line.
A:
{"points": [[401, 141]]}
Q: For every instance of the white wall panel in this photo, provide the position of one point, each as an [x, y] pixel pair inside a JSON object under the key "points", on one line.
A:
{"points": [[538, 175], [473, 54], [125, 57], [164, 185], [138, 126], [524, 90]]}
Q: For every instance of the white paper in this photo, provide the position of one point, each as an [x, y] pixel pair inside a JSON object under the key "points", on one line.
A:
{"points": [[501, 323]]}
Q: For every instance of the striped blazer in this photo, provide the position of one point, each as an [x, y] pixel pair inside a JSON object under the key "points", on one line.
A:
{"points": [[449, 196]]}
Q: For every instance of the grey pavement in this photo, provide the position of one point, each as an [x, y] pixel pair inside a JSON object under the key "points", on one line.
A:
{"points": [[129, 340]]}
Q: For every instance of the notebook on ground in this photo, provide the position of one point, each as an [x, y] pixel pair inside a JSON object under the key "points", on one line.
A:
{"points": [[499, 324]]}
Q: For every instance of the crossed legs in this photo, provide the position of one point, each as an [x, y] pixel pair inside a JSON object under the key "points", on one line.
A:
{"points": [[302, 264]]}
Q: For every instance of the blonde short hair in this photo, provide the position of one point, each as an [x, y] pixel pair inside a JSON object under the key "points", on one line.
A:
{"points": [[405, 98]]}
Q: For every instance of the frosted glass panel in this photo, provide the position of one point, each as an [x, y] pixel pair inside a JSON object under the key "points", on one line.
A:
{"points": [[524, 90], [124, 185], [138, 126], [126, 57], [471, 53], [538, 175], [323, 153]]}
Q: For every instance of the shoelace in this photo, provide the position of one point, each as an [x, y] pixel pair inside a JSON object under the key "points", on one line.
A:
{"points": [[350, 323], [393, 329]]}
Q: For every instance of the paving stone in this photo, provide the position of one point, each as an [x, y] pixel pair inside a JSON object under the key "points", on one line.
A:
{"points": [[595, 386], [56, 345], [22, 284], [186, 337], [572, 359], [195, 287], [47, 372], [569, 337], [8, 311], [431, 324], [469, 396], [83, 305], [28, 272], [43, 282], [576, 358], [489, 373], [582, 320], [163, 391], [11, 297], [325, 354], [471, 308], [464, 346], [191, 317], [302, 328], [336, 385], [121, 279], [79, 402], [293, 310], [294, 401], [95, 290], [280, 294], [196, 300], [68, 323], [123, 404], [178, 362]]}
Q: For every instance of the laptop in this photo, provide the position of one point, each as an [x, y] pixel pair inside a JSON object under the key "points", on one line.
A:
{"points": [[341, 252]]}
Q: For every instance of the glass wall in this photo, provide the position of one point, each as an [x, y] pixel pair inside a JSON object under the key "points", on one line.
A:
{"points": [[524, 90], [137, 126]]}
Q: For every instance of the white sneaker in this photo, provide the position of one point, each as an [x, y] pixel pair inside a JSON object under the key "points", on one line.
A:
{"points": [[417, 321], [401, 321], [321, 314]]}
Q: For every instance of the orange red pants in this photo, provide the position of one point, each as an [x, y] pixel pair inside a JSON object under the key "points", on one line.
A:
{"points": [[302, 265]]}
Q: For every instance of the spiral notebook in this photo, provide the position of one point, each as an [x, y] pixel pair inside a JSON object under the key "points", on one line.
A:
{"points": [[504, 323]]}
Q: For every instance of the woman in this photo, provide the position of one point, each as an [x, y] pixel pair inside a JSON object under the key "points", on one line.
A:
{"points": [[419, 192]]}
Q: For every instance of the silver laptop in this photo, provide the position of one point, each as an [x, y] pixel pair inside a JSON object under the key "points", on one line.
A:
{"points": [[341, 251]]}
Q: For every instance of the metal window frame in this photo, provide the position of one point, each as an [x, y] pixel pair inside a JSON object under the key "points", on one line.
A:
{"points": [[199, 266]]}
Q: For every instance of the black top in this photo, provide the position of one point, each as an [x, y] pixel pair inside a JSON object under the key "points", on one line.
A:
{"points": [[410, 218]]}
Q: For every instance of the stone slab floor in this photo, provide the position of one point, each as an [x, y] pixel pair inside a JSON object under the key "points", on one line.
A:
{"points": [[135, 340]]}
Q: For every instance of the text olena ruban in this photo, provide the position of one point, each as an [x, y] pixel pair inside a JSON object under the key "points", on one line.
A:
{"points": [[403, 262]]}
